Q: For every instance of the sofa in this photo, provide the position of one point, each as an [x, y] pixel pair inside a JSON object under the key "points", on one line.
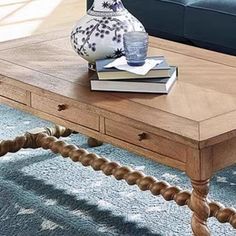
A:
{"points": [[209, 24]]}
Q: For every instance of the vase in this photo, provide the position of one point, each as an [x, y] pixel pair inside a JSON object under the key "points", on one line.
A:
{"points": [[99, 34]]}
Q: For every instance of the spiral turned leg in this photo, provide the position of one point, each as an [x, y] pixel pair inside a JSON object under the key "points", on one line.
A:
{"points": [[223, 214], [197, 201], [200, 208], [28, 140], [57, 131], [132, 177]]}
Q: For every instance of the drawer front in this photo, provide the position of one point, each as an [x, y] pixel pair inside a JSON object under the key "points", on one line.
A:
{"points": [[13, 93], [146, 140], [65, 111]]}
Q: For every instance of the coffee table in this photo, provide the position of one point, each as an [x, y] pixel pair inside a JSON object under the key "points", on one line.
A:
{"points": [[192, 129]]}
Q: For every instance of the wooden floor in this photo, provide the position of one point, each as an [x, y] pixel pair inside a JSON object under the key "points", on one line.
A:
{"points": [[21, 18]]}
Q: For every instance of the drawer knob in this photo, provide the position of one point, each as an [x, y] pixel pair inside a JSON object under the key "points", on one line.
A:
{"points": [[61, 107], [142, 136]]}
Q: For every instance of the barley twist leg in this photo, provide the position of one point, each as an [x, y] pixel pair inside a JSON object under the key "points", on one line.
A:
{"points": [[200, 208], [28, 140], [223, 214], [197, 201]]}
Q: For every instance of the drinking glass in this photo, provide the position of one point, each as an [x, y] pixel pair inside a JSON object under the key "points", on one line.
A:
{"points": [[136, 46]]}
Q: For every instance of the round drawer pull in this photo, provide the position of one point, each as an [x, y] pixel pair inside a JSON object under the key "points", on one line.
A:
{"points": [[61, 107], [142, 136]]}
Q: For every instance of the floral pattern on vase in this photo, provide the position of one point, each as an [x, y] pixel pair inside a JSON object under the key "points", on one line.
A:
{"points": [[99, 34]]}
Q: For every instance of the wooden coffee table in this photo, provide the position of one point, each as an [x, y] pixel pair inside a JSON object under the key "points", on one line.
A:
{"points": [[192, 129]]}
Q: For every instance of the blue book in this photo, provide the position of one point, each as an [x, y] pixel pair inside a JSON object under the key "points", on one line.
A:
{"points": [[161, 70]]}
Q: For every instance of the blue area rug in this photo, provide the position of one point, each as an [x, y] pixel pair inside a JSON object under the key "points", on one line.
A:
{"points": [[43, 194]]}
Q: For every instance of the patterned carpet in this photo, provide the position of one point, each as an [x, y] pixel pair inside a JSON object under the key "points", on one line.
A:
{"points": [[44, 194]]}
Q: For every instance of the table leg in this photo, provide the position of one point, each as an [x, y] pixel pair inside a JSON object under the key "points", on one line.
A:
{"points": [[92, 142], [28, 140], [199, 168], [47, 138], [200, 207]]}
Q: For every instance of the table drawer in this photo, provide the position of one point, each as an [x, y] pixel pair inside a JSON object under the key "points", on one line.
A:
{"points": [[67, 112], [146, 140], [13, 93]]}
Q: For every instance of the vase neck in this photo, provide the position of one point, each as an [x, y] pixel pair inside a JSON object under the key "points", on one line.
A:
{"points": [[107, 6]]}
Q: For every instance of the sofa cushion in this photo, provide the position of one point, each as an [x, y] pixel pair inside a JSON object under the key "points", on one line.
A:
{"points": [[212, 24], [159, 17], [164, 18]]}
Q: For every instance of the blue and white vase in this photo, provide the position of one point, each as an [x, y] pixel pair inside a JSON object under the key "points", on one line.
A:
{"points": [[99, 34]]}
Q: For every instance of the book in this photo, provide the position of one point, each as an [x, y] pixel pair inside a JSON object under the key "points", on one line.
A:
{"points": [[154, 85], [161, 70]]}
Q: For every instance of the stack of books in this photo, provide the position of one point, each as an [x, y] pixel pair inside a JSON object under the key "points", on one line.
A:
{"points": [[158, 80]]}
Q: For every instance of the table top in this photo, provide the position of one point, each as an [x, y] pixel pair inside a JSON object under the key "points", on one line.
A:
{"points": [[200, 107]]}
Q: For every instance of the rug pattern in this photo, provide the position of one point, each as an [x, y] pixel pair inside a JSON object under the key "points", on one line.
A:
{"points": [[43, 194]]}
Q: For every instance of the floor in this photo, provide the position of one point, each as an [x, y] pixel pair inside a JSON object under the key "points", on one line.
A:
{"points": [[43, 194], [22, 18]]}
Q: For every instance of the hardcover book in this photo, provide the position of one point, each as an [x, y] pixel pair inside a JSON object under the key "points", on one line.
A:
{"points": [[154, 85], [161, 70]]}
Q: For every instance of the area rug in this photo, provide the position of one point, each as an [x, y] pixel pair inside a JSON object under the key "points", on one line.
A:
{"points": [[44, 194]]}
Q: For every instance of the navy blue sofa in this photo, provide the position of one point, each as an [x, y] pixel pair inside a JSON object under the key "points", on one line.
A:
{"points": [[205, 23]]}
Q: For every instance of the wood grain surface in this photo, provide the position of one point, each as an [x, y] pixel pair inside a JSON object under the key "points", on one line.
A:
{"points": [[199, 100], [193, 128]]}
